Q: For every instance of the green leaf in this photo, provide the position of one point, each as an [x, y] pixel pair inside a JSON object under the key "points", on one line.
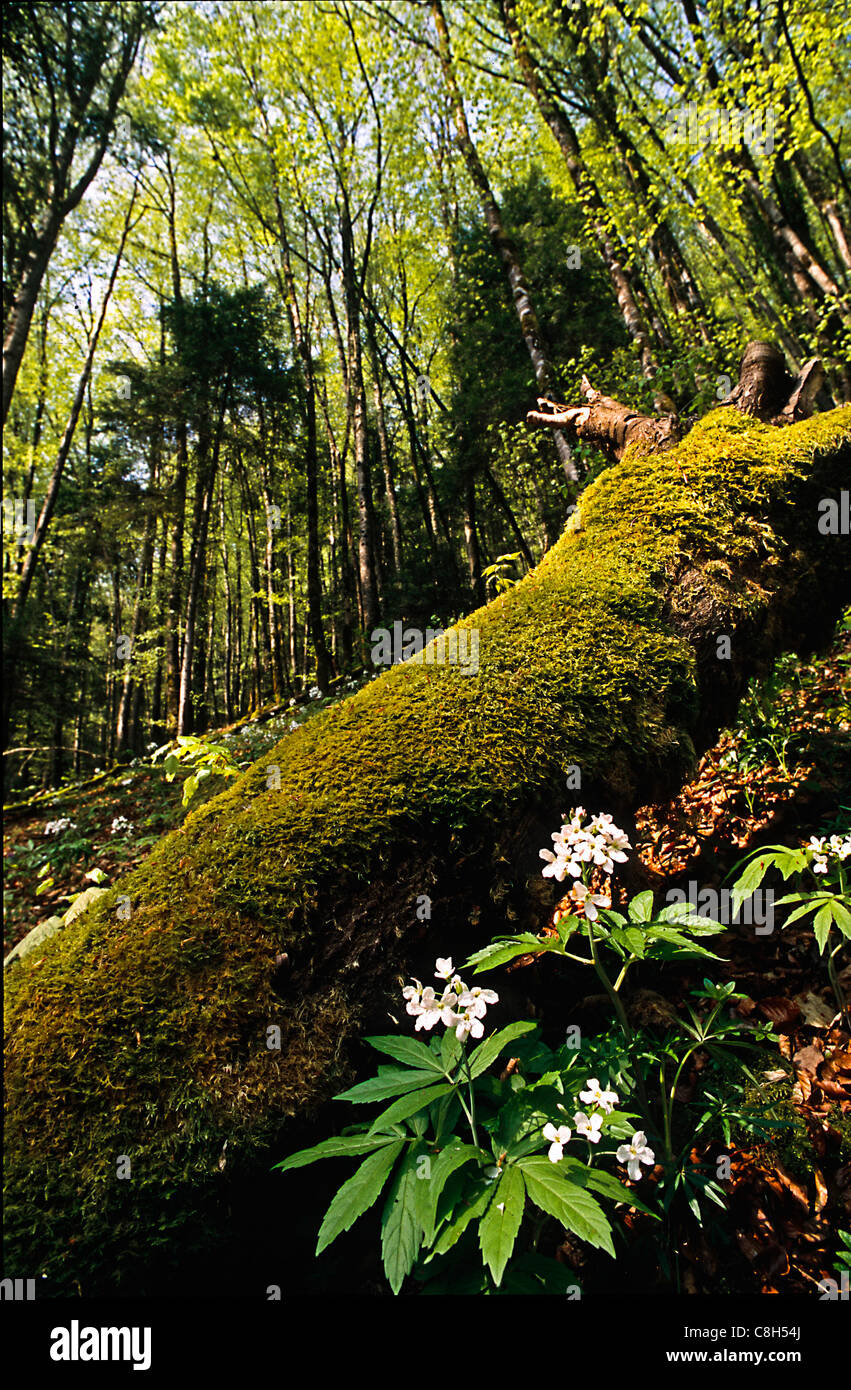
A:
{"points": [[409, 1105], [554, 1192], [448, 1161], [389, 1083], [841, 916], [409, 1050], [358, 1194], [685, 915], [500, 1224], [400, 1229], [641, 907], [803, 911], [499, 952], [458, 1225], [340, 1146], [634, 940], [450, 1049], [609, 1186], [488, 1051], [822, 923]]}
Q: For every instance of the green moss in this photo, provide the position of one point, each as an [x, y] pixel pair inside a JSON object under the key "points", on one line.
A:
{"points": [[147, 1037]]}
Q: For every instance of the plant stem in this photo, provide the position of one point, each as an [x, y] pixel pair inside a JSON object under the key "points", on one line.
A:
{"points": [[622, 1019], [835, 985], [472, 1114]]}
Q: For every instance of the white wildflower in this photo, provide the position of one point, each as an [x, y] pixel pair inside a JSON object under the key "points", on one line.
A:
{"points": [[588, 901], [558, 1138], [595, 1095], [58, 827], [588, 1126], [476, 1000], [635, 1153]]}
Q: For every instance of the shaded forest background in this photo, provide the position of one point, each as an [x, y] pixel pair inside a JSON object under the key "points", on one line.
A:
{"points": [[282, 280]]}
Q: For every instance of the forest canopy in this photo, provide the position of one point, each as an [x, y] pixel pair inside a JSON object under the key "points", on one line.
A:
{"points": [[283, 280]]}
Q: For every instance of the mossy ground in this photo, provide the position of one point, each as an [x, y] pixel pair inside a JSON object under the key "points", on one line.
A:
{"points": [[147, 1038]]}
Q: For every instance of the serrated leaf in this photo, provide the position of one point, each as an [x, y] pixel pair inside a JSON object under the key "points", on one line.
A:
{"points": [[400, 1229], [447, 1162], [500, 952], [409, 1105], [409, 1050], [458, 1225], [488, 1051], [573, 1206], [340, 1146], [822, 923], [609, 1186], [358, 1194], [390, 1083], [499, 1226]]}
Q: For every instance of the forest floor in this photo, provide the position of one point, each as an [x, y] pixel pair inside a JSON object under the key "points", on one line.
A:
{"points": [[782, 774]]}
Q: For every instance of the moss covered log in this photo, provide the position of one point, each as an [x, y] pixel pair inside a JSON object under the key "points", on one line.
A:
{"points": [[145, 1039]]}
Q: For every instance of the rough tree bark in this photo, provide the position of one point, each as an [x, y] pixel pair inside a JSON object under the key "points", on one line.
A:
{"points": [[149, 1035]]}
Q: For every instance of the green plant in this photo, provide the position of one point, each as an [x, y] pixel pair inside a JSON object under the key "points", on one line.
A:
{"points": [[498, 576], [588, 851], [205, 759], [821, 862], [443, 1186], [842, 1258]]}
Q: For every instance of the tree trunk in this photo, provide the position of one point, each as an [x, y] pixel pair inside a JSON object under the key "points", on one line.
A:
{"points": [[502, 245], [566, 138], [432, 780]]}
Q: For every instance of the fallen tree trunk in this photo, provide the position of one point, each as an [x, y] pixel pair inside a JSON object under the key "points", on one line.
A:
{"points": [[403, 823], [765, 390]]}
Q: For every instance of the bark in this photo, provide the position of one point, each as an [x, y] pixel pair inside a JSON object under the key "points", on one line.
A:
{"points": [[357, 405], [208, 463], [136, 624], [429, 781], [765, 390], [301, 339], [173, 641]]}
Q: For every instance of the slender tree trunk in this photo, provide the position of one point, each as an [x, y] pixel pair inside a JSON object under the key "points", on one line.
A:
{"points": [[363, 480], [504, 248], [568, 142], [136, 620]]}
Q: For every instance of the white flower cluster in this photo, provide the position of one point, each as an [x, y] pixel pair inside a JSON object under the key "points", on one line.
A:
{"points": [[458, 1007], [121, 825], [57, 827], [599, 844], [587, 1126], [314, 692], [839, 846]]}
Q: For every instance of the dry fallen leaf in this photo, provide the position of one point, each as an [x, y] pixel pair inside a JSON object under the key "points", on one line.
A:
{"points": [[814, 1010], [781, 1012], [808, 1059]]}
